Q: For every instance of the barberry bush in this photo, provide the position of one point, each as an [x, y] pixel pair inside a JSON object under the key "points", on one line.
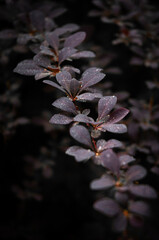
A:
{"points": [[80, 145]]}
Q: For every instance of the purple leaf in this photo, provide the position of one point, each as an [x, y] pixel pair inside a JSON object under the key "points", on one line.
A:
{"points": [[70, 27], [81, 134], [28, 68], [42, 60], [64, 78], [155, 170], [144, 191], [47, 51], [83, 118], [125, 159], [105, 105], [102, 183], [60, 119], [102, 144], [54, 85], [86, 111], [89, 96], [71, 69], [80, 153], [65, 53], [42, 75], [110, 160], [75, 39], [53, 40], [117, 115], [65, 104], [139, 207], [74, 86], [115, 128], [107, 206], [90, 77], [119, 223], [83, 54], [135, 172]]}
